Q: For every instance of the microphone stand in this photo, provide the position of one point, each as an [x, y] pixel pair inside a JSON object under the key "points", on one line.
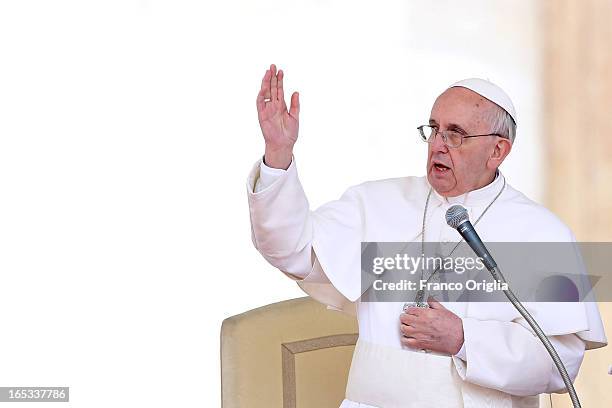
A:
{"points": [[499, 277]]}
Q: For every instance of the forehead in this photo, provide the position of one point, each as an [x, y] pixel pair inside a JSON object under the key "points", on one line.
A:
{"points": [[462, 106]]}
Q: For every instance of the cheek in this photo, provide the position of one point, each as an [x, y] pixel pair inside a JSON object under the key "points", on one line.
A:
{"points": [[461, 168], [457, 161], [468, 166]]}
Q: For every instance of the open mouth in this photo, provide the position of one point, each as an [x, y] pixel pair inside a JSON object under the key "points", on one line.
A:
{"points": [[440, 167]]}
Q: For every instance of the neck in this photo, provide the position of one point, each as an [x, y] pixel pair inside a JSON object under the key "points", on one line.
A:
{"points": [[483, 182]]}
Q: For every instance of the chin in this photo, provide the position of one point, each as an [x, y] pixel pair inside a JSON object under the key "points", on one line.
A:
{"points": [[442, 184]]}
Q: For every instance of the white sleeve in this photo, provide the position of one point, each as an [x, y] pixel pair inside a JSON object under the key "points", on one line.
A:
{"points": [[267, 176], [461, 352], [571, 349], [509, 357], [279, 212], [319, 249]]}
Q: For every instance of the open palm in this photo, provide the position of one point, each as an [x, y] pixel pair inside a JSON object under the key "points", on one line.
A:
{"points": [[278, 125]]}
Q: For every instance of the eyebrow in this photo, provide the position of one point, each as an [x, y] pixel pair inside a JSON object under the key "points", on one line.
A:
{"points": [[450, 126]]}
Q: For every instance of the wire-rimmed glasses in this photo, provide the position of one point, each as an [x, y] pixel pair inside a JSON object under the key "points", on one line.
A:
{"points": [[449, 137]]}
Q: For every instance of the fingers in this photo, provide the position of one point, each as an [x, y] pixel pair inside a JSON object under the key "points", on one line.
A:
{"points": [[265, 85], [414, 334], [273, 84], [264, 92], [415, 311], [434, 304], [410, 342], [408, 331], [272, 90], [419, 343], [408, 319], [280, 93], [294, 109], [407, 326]]}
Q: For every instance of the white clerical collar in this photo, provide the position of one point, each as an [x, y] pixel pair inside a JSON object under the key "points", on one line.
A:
{"points": [[475, 197]]}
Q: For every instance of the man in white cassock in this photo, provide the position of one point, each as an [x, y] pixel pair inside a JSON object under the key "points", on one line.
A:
{"points": [[450, 355]]}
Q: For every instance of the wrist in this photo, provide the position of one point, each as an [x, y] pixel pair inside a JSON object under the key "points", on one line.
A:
{"points": [[278, 158], [460, 338]]}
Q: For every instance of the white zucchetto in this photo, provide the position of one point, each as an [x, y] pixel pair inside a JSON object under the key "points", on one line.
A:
{"points": [[489, 91]]}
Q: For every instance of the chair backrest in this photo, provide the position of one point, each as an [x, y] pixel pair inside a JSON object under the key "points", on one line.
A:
{"points": [[290, 354], [296, 353]]}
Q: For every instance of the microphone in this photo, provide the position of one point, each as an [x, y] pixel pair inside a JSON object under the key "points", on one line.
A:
{"points": [[458, 218]]}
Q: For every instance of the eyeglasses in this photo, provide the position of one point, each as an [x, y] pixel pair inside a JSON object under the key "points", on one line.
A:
{"points": [[449, 137]]}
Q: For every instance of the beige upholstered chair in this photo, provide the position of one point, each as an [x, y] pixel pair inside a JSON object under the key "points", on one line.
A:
{"points": [[297, 353], [289, 354]]}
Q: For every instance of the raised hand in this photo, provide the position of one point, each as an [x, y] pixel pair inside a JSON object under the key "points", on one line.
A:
{"points": [[278, 125]]}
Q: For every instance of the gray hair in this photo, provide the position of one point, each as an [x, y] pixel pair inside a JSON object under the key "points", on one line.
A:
{"points": [[502, 123]]}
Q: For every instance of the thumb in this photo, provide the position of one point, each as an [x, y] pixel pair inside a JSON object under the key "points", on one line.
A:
{"points": [[434, 304], [294, 110]]}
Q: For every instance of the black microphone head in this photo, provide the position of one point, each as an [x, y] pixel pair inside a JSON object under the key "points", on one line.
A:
{"points": [[456, 215]]}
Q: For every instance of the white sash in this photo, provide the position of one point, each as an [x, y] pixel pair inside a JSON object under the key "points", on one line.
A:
{"points": [[386, 377]]}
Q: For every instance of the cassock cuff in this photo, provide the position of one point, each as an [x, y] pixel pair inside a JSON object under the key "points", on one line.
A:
{"points": [[265, 169], [461, 353], [268, 175], [460, 359], [254, 186]]}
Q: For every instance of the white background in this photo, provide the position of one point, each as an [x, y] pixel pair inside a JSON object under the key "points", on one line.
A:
{"points": [[127, 129]]}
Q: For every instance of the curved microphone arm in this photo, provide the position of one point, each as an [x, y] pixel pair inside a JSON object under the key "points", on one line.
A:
{"points": [[499, 277], [457, 217]]}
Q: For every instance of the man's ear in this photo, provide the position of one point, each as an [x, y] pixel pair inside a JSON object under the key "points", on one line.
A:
{"points": [[501, 149]]}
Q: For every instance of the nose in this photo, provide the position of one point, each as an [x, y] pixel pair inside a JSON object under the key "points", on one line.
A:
{"points": [[437, 144]]}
